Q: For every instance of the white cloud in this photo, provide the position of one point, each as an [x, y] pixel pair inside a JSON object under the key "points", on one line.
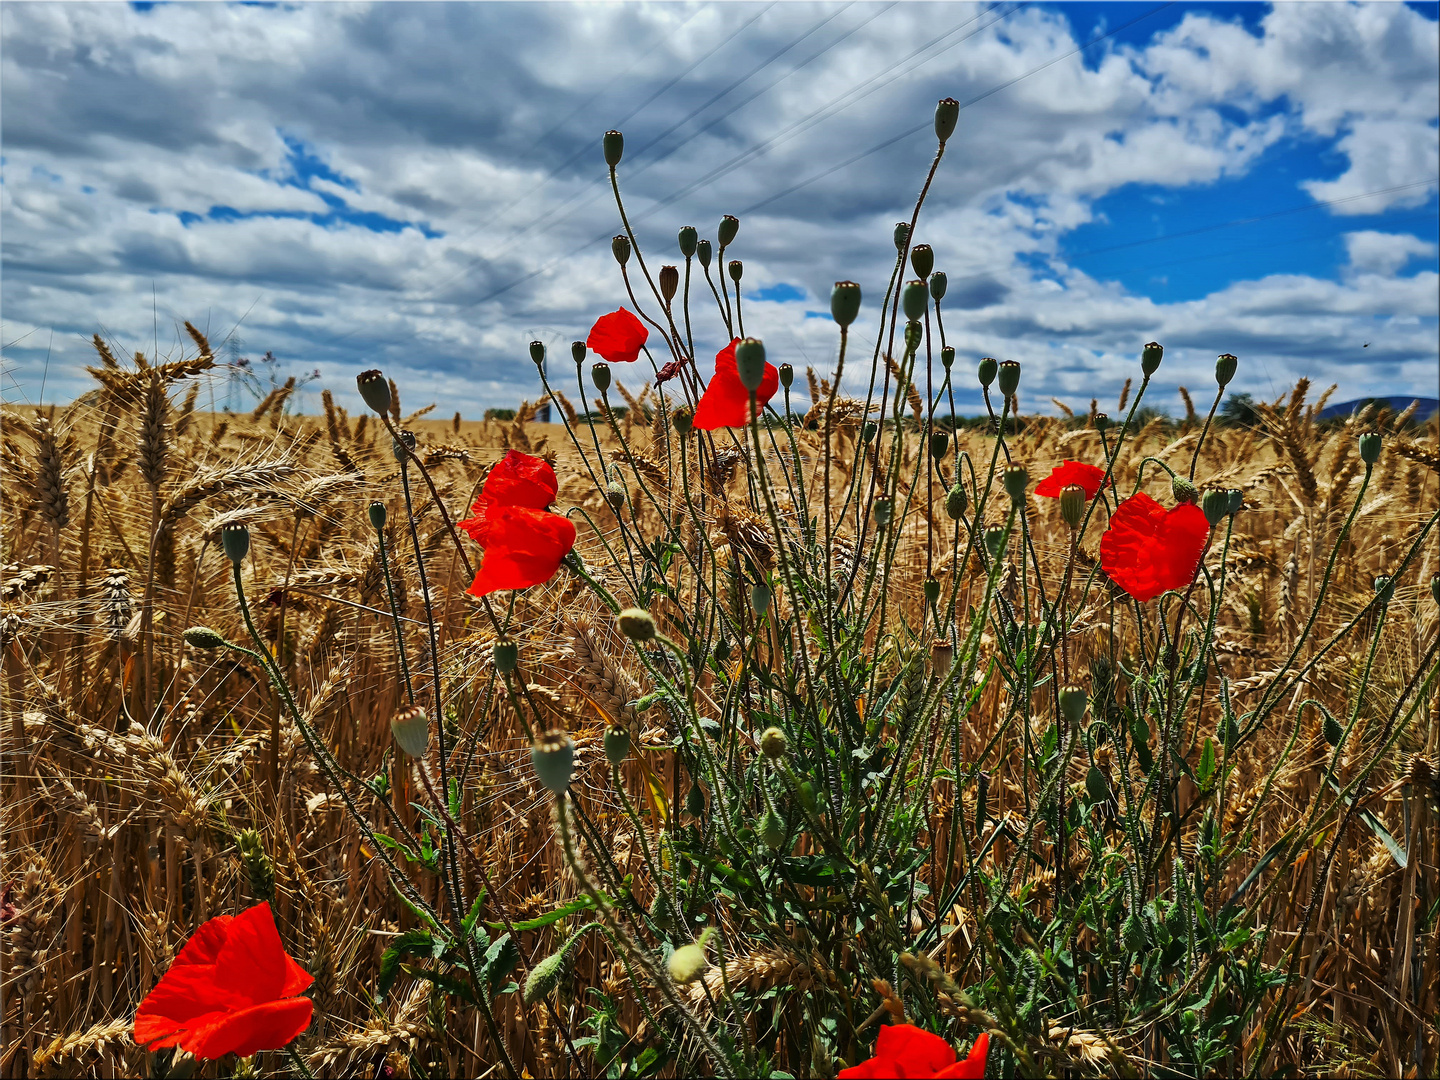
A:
{"points": [[1385, 254]]}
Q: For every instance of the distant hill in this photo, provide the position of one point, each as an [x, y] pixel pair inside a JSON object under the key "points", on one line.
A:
{"points": [[1396, 402]]}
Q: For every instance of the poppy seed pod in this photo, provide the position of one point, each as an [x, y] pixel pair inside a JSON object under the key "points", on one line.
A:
{"points": [[600, 376], [787, 375], [1009, 377], [202, 637], [913, 298], [773, 743], [932, 591], [402, 445], [1072, 704], [702, 252], [750, 363], [1225, 365], [411, 728], [1017, 479], [1384, 588], [695, 800], [884, 512], [947, 355], [688, 239], [986, 370], [942, 658], [1072, 505], [1237, 500], [760, 597], [374, 390], [617, 744], [377, 514], [620, 248], [235, 541], [914, 335], [1370, 447], [636, 624], [845, 302], [669, 282], [537, 353], [1183, 490], [922, 258], [683, 420], [772, 830], [955, 502], [1102, 421], [947, 115], [554, 760], [939, 444], [995, 541], [614, 144], [737, 270], [1150, 357], [938, 283], [729, 226], [1216, 505], [867, 431], [577, 351], [902, 235], [507, 656]]}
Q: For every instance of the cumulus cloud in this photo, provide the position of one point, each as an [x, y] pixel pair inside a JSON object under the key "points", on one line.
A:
{"points": [[1381, 253]]}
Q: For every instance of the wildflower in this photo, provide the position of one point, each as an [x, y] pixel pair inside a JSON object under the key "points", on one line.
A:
{"points": [[903, 1050], [553, 757], [1087, 476], [523, 542], [515, 480], [232, 990], [618, 336], [1149, 550], [725, 402]]}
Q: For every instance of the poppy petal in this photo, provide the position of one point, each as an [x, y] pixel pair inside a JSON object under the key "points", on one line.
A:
{"points": [[726, 402], [1088, 476], [913, 1051], [618, 337], [973, 1067], [252, 961], [523, 547], [266, 1026], [870, 1069], [1148, 550], [189, 989], [515, 480]]}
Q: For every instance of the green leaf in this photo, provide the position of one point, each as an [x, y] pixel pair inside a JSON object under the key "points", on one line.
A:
{"points": [[500, 960], [424, 918], [1096, 786], [1206, 769], [584, 903], [474, 914], [1383, 834], [451, 985], [410, 943]]}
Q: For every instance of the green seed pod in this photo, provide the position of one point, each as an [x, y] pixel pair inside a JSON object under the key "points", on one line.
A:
{"points": [[750, 362], [377, 514], [374, 390], [947, 115], [914, 335], [402, 445], [1102, 421], [235, 541], [620, 248], [554, 760], [669, 282], [922, 259], [614, 144], [544, 977], [695, 800], [1333, 731], [787, 375], [507, 656], [1370, 447], [995, 541], [1183, 490], [636, 624], [932, 591], [702, 252], [729, 226], [577, 352], [1072, 704], [902, 235], [617, 744], [772, 830], [600, 376], [1216, 504], [259, 870], [688, 239], [942, 658], [947, 354], [939, 444], [773, 743], [1009, 379], [1384, 589], [884, 512], [867, 431], [1072, 505], [411, 728], [845, 302], [1017, 479], [938, 284], [615, 495], [1237, 500], [202, 637], [722, 650], [913, 299], [537, 353], [986, 370], [1150, 357], [760, 597], [737, 270], [683, 419], [956, 501], [1225, 365]]}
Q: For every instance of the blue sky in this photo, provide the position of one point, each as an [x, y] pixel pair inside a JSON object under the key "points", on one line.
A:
{"points": [[419, 187]]}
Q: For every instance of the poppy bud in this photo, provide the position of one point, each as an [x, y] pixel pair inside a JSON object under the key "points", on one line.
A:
{"points": [[683, 419], [932, 591], [1237, 500], [577, 351], [1333, 731], [377, 514], [729, 226], [722, 650], [902, 235], [374, 390], [750, 363], [544, 977], [1384, 589], [912, 299], [787, 375], [1017, 479], [702, 252], [554, 760], [695, 800], [617, 744], [411, 728], [1216, 505], [845, 302], [235, 540], [1072, 704], [669, 282], [942, 658], [939, 443], [760, 597], [982, 791], [736, 268], [947, 115], [914, 334], [615, 495], [955, 502], [537, 353], [620, 248], [202, 637], [772, 830], [1370, 447], [636, 624], [600, 376], [867, 431], [773, 743], [402, 445], [1009, 377], [688, 239], [995, 540], [687, 963], [1072, 504], [1150, 357], [1183, 490], [1102, 421], [884, 512], [922, 258], [947, 354], [507, 656], [614, 144], [1225, 365]]}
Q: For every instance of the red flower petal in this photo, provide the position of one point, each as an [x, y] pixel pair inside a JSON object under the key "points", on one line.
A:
{"points": [[523, 547], [1148, 550], [618, 336], [913, 1051], [263, 1027], [515, 480], [1063, 475], [973, 1067], [725, 402]]}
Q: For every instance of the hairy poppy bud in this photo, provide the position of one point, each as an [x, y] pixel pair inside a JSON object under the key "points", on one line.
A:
{"points": [[553, 757], [942, 658], [669, 282], [1102, 421], [902, 235], [787, 375], [507, 656], [577, 351], [1183, 490], [235, 540], [736, 268], [402, 445], [374, 390], [912, 299], [845, 302], [750, 363], [955, 502], [722, 650], [995, 540], [867, 431], [947, 355], [537, 353], [1216, 504], [773, 743], [1017, 479], [544, 977], [620, 248], [1384, 588], [1150, 357], [1009, 379], [615, 495], [636, 624], [1225, 365], [729, 226], [884, 512], [1332, 730], [772, 830], [1237, 500], [922, 258], [617, 744], [683, 420], [1370, 447], [760, 597], [614, 144], [947, 115], [202, 637], [1072, 504], [1072, 704], [702, 252], [600, 376], [914, 335], [695, 800], [688, 963], [986, 370], [411, 728], [377, 514], [688, 239], [932, 591], [939, 444]]}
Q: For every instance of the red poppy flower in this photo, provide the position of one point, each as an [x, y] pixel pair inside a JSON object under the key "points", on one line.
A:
{"points": [[232, 990], [515, 480], [523, 547], [1149, 550], [725, 401], [904, 1051], [618, 336], [1063, 475]]}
